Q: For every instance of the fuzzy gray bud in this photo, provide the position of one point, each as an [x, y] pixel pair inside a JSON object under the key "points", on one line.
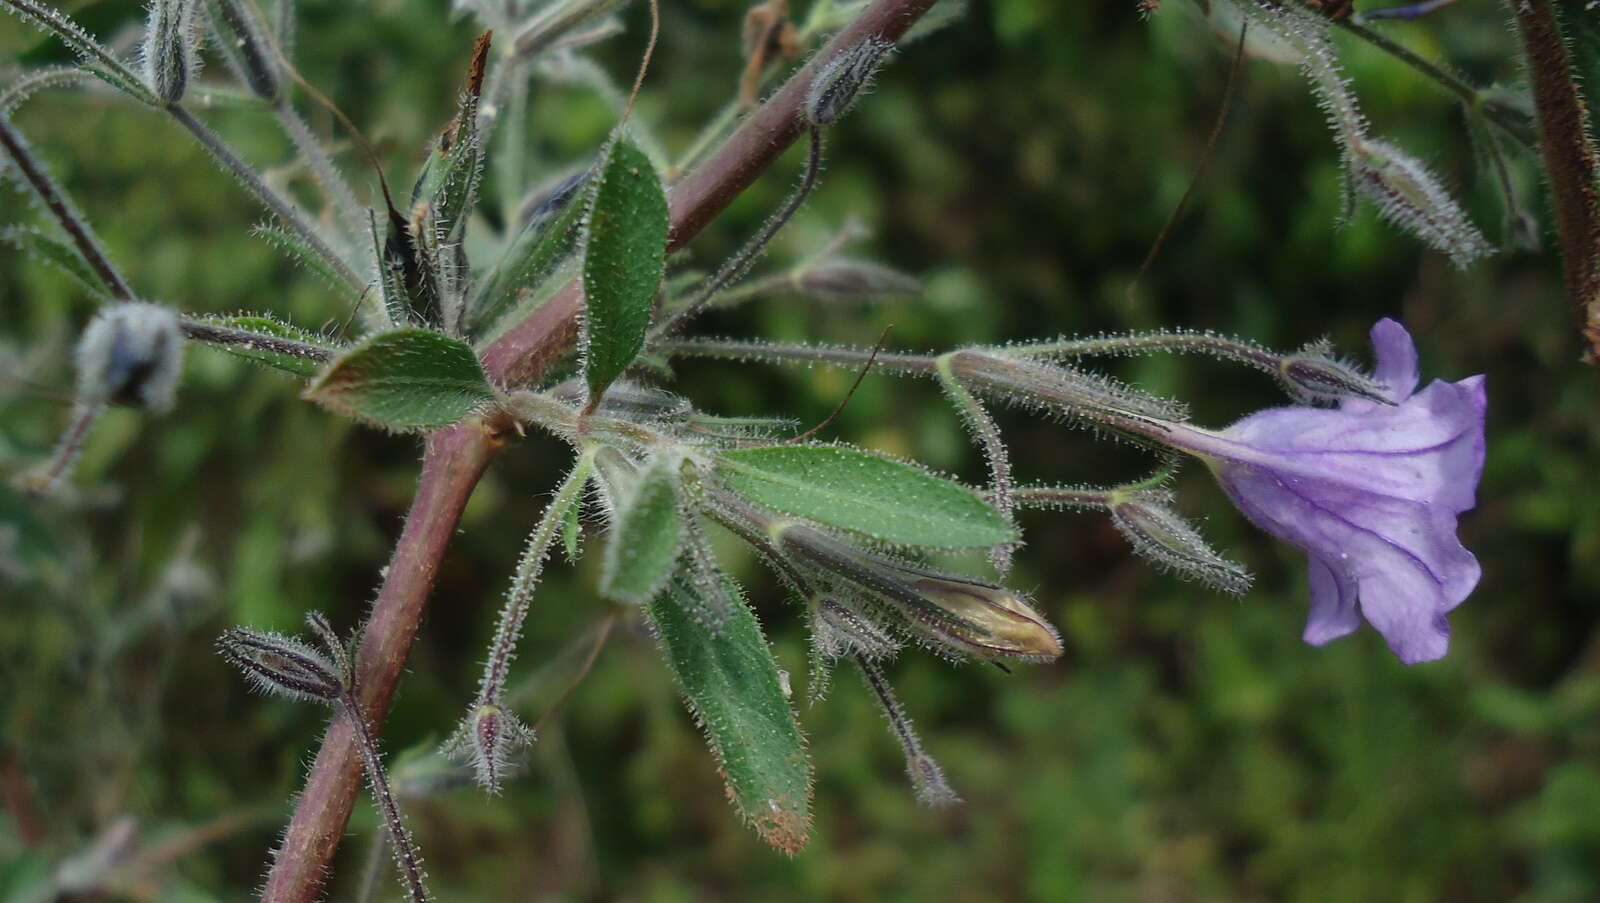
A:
{"points": [[132, 354], [281, 665], [1314, 374], [168, 48], [962, 615], [843, 79], [1409, 196]]}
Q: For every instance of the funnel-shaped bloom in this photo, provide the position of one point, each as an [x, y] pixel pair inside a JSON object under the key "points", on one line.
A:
{"points": [[1370, 492]]}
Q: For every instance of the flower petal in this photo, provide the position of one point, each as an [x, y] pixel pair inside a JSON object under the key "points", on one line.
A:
{"points": [[1397, 359], [1333, 606]]}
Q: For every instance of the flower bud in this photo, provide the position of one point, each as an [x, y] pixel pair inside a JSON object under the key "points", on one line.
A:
{"points": [[131, 354], [840, 279], [1313, 374], [487, 738], [281, 665], [1410, 197], [168, 48], [968, 616], [260, 68], [1160, 535], [842, 79], [989, 621]]}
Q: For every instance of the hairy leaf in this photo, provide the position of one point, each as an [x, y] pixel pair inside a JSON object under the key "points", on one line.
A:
{"points": [[730, 683], [405, 380], [623, 257], [62, 256], [532, 255], [884, 499], [644, 543], [302, 366]]}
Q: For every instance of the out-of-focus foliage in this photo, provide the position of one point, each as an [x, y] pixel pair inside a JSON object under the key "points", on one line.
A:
{"points": [[1022, 161]]}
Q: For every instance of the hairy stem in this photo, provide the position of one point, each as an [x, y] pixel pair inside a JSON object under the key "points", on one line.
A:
{"points": [[740, 263], [457, 457], [61, 208], [272, 200], [1509, 120], [405, 852], [1569, 161], [211, 333]]}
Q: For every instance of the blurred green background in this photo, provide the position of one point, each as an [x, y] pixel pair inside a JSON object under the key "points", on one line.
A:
{"points": [[1187, 747]]}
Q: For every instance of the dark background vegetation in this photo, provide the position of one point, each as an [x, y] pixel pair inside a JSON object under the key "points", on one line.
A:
{"points": [[1187, 747]]}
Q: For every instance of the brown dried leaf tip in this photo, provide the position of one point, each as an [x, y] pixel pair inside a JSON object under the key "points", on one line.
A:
{"points": [[768, 35], [474, 90]]}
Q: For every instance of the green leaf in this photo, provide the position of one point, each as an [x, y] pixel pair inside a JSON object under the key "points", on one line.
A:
{"points": [[884, 499], [406, 380], [533, 254], [62, 256], [293, 245], [303, 367], [730, 683], [624, 254], [645, 540]]}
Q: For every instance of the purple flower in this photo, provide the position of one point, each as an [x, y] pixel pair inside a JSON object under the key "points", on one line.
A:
{"points": [[1370, 492]]}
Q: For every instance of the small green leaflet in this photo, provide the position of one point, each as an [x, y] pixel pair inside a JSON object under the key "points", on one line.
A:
{"points": [[63, 257], [644, 543], [624, 253], [884, 499], [303, 367], [730, 683], [533, 254], [407, 380]]}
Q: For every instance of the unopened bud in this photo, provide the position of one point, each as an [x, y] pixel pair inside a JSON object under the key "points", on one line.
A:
{"points": [[281, 665], [255, 55], [840, 279], [168, 48], [1314, 374], [132, 354], [989, 621], [968, 616], [486, 740], [1158, 534], [1410, 197], [843, 79]]}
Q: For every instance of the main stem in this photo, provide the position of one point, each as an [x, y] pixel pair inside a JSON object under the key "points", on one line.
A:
{"points": [[456, 458]]}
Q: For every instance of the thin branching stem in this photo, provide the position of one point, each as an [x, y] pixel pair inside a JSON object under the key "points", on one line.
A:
{"points": [[405, 852], [271, 199], [491, 689], [781, 353], [61, 207], [987, 433], [1508, 119], [739, 264], [352, 213]]}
